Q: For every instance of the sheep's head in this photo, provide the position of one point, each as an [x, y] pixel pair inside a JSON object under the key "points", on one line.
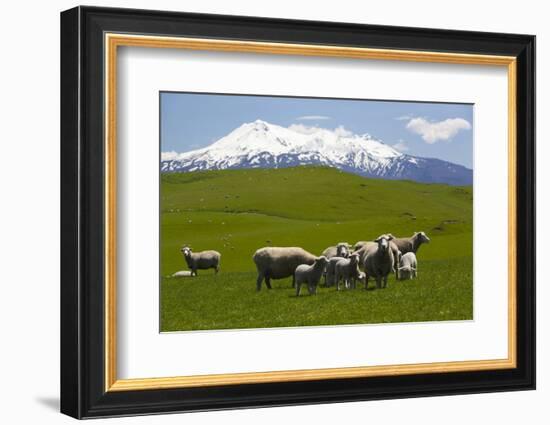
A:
{"points": [[422, 237], [186, 251], [383, 242], [322, 261], [342, 250]]}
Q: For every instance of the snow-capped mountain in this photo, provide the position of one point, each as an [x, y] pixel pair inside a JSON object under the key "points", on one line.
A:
{"points": [[261, 144]]}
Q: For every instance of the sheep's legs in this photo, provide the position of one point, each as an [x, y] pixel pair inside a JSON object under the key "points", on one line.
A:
{"points": [[378, 283], [298, 287], [268, 282], [259, 281], [385, 281]]}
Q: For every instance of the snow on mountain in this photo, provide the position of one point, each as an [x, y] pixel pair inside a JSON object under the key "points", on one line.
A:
{"points": [[261, 144]]}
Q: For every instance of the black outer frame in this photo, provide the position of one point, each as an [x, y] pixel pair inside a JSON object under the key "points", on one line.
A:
{"points": [[82, 219]]}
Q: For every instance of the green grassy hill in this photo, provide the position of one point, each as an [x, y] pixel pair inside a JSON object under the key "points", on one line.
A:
{"points": [[238, 211]]}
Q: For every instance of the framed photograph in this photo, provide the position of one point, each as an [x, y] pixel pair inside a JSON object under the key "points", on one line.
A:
{"points": [[261, 212]]}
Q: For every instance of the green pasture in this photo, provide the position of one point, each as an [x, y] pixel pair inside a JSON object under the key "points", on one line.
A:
{"points": [[238, 211]]}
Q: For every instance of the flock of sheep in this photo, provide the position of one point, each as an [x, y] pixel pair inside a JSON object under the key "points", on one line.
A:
{"points": [[340, 264]]}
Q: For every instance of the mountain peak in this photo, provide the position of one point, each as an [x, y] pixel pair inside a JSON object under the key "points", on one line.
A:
{"points": [[261, 144]]}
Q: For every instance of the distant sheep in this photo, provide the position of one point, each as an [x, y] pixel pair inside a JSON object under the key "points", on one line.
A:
{"points": [[182, 273], [201, 260], [310, 274], [379, 261], [340, 250], [407, 266], [411, 244], [279, 262], [347, 270]]}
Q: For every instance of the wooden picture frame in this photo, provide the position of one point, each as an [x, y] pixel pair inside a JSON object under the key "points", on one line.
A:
{"points": [[90, 38]]}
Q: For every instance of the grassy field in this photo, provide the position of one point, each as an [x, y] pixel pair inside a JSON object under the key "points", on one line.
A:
{"points": [[238, 211]]}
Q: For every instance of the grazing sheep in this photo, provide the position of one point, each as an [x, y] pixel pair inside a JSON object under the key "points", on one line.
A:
{"points": [[330, 271], [407, 266], [411, 244], [340, 250], [310, 274], [201, 260], [279, 262], [379, 261], [348, 271]]}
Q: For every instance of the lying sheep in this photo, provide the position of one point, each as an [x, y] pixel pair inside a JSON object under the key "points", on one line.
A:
{"points": [[379, 261], [201, 260], [279, 262], [411, 244], [407, 266], [310, 274], [340, 250], [182, 273], [348, 271], [330, 272]]}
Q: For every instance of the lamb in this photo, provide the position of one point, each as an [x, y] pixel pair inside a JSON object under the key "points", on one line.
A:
{"points": [[201, 260], [331, 270], [279, 262], [310, 274], [379, 261], [340, 250], [407, 266], [347, 270], [411, 244]]}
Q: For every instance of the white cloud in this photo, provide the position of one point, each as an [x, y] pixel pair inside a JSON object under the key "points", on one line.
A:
{"points": [[342, 132], [432, 132], [312, 118], [401, 146], [404, 118], [303, 129]]}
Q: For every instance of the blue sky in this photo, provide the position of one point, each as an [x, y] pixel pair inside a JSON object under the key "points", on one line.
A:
{"points": [[437, 130]]}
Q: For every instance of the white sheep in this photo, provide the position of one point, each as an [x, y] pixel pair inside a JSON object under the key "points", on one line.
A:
{"points": [[407, 266], [310, 274], [361, 248], [340, 250], [279, 262], [331, 270], [411, 244], [379, 261], [201, 260], [347, 270]]}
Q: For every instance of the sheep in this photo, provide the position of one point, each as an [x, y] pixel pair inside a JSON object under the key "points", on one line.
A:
{"points": [[379, 261], [407, 266], [310, 274], [362, 246], [348, 271], [340, 250], [201, 260], [331, 270], [279, 262], [182, 273], [411, 244]]}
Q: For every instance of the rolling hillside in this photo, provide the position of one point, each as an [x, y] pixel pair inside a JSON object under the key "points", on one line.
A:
{"points": [[238, 211]]}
